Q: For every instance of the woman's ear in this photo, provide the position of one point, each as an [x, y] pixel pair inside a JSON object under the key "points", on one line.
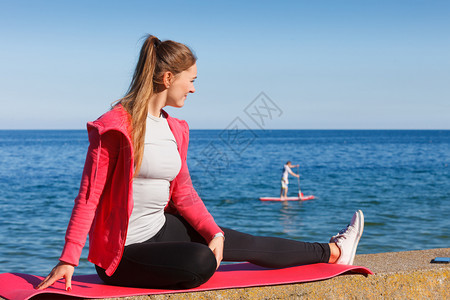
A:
{"points": [[167, 79]]}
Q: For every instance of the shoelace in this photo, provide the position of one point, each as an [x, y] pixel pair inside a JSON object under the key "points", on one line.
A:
{"points": [[341, 235], [344, 229]]}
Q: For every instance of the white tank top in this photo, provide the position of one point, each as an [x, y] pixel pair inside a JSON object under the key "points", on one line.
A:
{"points": [[161, 163]]}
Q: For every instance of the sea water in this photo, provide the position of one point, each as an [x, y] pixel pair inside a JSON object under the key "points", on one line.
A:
{"points": [[400, 179]]}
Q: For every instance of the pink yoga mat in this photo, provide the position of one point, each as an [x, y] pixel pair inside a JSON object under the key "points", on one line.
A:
{"points": [[17, 286]]}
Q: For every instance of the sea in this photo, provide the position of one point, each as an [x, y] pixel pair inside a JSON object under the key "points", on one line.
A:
{"points": [[400, 179]]}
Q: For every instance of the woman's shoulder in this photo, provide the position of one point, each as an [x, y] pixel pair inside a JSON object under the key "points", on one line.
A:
{"points": [[117, 118]]}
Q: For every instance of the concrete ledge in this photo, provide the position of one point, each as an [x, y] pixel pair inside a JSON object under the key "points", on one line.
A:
{"points": [[398, 275]]}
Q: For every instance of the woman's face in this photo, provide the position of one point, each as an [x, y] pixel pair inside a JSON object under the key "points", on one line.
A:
{"points": [[182, 84]]}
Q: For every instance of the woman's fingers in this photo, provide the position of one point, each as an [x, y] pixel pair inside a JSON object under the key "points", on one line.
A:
{"points": [[218, 258], [216, 246], [62, 270], [48, 281], [69, 282], [39, 286]]}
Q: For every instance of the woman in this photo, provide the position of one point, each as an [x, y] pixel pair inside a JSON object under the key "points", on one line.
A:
{"points": [[147, 226]]}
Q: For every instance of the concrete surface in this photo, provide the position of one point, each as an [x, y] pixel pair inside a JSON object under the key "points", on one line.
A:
{"points": [[398, 275]]}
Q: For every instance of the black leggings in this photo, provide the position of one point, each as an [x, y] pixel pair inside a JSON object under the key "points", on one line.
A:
{"points": [[178, 257]]}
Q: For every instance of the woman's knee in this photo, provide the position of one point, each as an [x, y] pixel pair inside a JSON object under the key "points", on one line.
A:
{"points": [[201, 264]]}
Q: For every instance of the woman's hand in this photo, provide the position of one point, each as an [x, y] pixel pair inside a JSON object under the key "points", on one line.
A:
{"points": [[216, 246], [61, 270]]}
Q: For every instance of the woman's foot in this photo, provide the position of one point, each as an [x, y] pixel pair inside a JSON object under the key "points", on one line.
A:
{"points": [[348, 238]]}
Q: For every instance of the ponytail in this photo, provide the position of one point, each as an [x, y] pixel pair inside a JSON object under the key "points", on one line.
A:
{"points": [[155, 59]]}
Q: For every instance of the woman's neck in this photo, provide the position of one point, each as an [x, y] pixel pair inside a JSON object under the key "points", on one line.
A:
{"points": [[156, 104]]}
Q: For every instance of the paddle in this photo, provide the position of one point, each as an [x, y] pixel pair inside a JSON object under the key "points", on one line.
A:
{"points": [[300, 194]]}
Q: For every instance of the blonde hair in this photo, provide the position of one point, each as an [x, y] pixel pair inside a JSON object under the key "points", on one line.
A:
{"points": [[155, 59]]}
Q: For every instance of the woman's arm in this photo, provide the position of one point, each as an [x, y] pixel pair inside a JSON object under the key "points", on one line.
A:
{"points": [[189, 205], [100, 159]]}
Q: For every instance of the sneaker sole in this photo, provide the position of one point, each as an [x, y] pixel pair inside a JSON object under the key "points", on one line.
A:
{"points": [[358, 236]]}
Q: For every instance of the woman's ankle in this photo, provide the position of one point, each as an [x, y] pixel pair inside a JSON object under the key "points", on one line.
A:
{"points": [[335, 252]]}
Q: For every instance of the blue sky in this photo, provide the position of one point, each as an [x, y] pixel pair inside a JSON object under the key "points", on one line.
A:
{"points": [[324, 64]]}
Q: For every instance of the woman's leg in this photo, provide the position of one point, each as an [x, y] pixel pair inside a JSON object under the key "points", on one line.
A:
{"points": [[177, 257], [268, 252], [272, 252], [277, 252]]}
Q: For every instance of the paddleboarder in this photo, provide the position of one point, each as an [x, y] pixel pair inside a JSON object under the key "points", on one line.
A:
{"points": [[284, 178], [147, 225]]}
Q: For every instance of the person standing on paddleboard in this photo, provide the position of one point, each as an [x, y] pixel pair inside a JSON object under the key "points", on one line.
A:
{"points": [[147, 225], [284, 178]]}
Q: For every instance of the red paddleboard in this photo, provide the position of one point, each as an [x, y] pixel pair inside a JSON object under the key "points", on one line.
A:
{"points": [[302, 198]]}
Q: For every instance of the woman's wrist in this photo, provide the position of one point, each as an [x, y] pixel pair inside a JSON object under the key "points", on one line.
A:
{"points": [[219, 234]]}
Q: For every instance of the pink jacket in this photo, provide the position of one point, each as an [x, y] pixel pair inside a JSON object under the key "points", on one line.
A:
{"points": [[105, 199]]}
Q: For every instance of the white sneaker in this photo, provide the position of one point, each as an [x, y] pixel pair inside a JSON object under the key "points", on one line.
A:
{"points": [[348, 238]]}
